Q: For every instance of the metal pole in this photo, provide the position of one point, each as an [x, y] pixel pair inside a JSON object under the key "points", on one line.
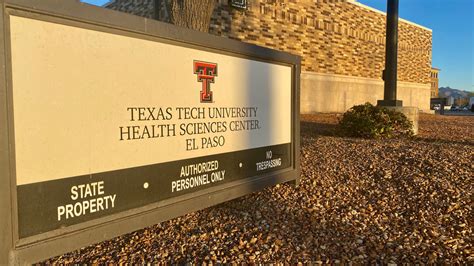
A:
{"points": [[391, 50]]}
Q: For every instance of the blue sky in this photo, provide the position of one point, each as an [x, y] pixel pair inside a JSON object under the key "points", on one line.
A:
{"points": [[452, 22], [96, 2]]}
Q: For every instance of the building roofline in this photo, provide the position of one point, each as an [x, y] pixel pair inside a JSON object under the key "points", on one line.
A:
{"points": [[435, 68], [107, 3], [354, 2]]}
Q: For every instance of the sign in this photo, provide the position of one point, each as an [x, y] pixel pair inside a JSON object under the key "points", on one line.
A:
{"points": [[241, 4], [113, 126]]}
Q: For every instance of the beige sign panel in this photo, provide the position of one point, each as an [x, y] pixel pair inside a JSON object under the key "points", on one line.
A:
{"points": [[90, 101]]}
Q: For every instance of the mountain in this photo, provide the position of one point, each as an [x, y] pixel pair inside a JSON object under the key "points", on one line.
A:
{"points": [[456, 94]]}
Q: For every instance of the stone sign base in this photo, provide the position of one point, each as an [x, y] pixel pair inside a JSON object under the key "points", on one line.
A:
{"points": [[412, 113]]}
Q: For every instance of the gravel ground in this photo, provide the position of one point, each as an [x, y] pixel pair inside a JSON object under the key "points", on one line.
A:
{"points": [[360, 201]]}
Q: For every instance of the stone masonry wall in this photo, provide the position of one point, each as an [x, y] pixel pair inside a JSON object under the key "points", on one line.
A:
{"points": [[332, 36], [142, 8]]}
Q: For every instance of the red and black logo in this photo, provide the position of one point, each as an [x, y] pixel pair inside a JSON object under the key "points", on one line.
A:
{"points": [[205, 74]]}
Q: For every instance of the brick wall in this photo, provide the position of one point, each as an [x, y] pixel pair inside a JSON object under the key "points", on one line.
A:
{"points": [[331, 36], [142, 8]]}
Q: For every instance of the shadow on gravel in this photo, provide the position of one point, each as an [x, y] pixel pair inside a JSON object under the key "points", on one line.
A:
{"points": [[312, 129], [292, 231], [445, 141]]}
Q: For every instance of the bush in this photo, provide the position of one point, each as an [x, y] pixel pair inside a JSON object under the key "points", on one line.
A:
{"points": [[368, 121]]}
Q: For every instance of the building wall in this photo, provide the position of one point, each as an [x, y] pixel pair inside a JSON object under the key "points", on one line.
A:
{"points": [[335, 37], [434, 81], [331, 36], [337, 93], [142, 8]]}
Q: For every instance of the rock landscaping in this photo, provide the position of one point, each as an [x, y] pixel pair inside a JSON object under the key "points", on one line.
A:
{"points": [[360, 200]]}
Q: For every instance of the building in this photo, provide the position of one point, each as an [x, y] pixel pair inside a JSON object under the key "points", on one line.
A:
{"points": [[341, 42], [434, 82]]}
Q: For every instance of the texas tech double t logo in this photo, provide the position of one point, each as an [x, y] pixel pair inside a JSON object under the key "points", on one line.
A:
{"points": [[205, 74]]}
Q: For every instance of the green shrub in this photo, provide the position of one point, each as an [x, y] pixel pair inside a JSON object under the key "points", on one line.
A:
{"points": [[368, 121]]}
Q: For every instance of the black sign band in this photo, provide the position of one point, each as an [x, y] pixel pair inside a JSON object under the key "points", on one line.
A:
{"points": [[50, 205]]}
